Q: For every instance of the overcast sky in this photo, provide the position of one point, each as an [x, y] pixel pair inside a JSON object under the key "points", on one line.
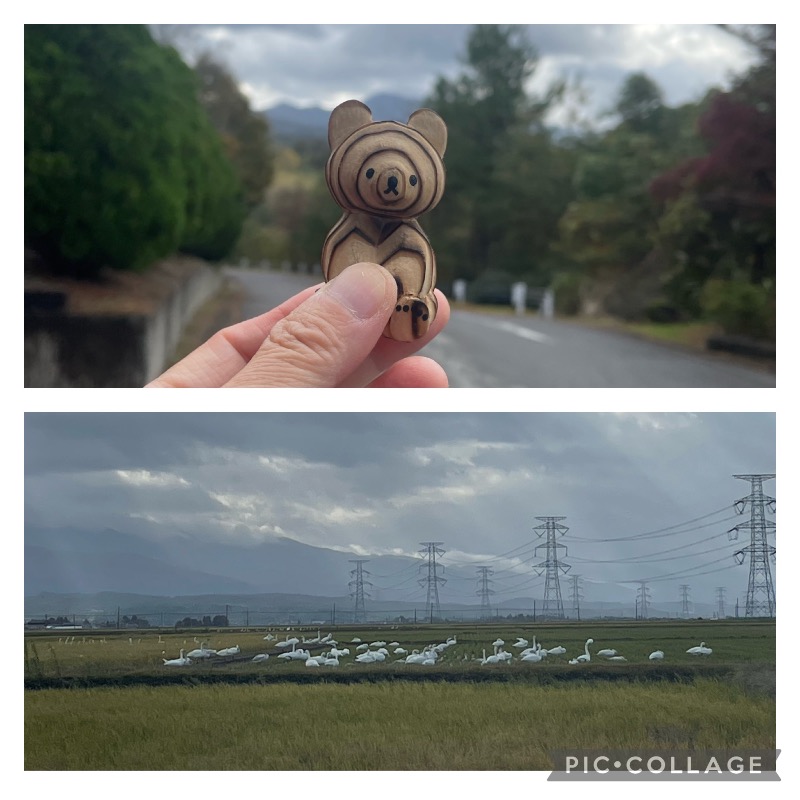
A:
{"points": [[323, 65], [371, 484]]}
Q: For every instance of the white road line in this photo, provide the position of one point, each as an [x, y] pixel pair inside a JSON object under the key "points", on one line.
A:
{"points": [[517, 330]]}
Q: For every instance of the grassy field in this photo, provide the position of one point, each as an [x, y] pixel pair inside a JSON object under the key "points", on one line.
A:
{"points": [[141, 653], [389, 726], [456, 715]]}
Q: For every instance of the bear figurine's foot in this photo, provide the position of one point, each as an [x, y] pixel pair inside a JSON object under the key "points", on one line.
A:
{"points": [[412, 317]]}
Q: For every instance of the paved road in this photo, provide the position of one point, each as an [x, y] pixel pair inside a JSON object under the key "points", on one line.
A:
{"points": [[485, 350]]}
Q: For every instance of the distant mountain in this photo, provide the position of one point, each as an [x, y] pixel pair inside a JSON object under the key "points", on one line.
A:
{"points": [[150, 561], [290, 123], [153, 562], [78, 572]]}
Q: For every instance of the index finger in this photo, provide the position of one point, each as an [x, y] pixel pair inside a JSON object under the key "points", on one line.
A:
{"points": [[219, 359]]}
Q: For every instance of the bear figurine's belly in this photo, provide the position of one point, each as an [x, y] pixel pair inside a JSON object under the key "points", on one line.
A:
{"points": [[403, 249]]}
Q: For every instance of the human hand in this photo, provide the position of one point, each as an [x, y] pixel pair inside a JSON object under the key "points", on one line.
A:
{"points": [[325, 336]]}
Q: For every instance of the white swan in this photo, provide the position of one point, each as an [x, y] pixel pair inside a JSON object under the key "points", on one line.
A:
{"points": [[503, 655], [532, 657], [493, 659], [202, 652], [607, 653], [312, 662], [656, 655], [399, 651], [299, 655], [586, 656], [520, 642], [229, 651], [702, 650], [367, 658], [260, 657], [617, 658], [331, 662], [177, 662]]}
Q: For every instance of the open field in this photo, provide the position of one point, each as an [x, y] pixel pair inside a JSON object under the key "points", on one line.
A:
{"points": [[131, 654], [123, 709], [388, 726]]}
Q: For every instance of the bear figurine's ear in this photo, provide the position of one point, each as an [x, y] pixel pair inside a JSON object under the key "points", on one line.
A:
{"points": [[346, 118], [431, 126]]}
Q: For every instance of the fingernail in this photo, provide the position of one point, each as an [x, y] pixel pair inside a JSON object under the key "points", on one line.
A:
{"points": [[360, 288]]}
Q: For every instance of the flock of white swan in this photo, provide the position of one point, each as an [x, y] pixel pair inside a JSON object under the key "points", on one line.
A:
{"points": [[378, 651]]}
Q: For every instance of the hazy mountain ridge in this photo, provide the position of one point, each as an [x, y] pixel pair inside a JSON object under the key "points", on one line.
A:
{"points": [[166, 573], [289, 122], [144, 562]]}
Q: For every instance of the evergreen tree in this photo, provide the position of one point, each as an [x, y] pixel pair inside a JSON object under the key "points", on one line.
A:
{"points": [[122, 165]]}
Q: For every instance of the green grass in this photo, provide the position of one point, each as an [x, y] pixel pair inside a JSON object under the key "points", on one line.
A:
{"points": [[457, 715], [389, 726]]}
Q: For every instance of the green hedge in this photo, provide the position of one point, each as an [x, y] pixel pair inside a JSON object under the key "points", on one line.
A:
{"points": [[740, 308], [122, 165]]}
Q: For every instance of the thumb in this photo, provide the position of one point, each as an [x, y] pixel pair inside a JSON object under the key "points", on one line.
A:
{"points": [[328, 336]]}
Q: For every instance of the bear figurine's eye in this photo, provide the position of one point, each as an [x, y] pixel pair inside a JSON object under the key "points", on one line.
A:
{"points": [[413, 180], [370, 172]]}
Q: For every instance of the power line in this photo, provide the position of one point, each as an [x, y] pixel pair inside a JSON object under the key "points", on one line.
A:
{"points": [[660, 531], [657, 553], [645, 560]]}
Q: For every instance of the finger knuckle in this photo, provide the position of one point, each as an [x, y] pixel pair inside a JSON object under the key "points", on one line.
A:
{"points": [[307, 340]]}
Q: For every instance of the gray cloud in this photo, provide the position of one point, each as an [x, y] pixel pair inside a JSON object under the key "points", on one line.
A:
{"points": [[325, 64], [371, 483]]}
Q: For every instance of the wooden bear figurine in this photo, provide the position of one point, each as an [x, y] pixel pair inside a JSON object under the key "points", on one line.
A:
{"points": [[384, 175]]}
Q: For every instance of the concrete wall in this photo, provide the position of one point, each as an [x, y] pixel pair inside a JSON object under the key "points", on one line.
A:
{"points": [[64, 349]]}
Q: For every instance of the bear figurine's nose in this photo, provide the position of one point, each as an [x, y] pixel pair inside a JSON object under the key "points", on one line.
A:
{"points": [[391, 185]]}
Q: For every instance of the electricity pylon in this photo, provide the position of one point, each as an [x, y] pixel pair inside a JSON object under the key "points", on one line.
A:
{"points": [[484, 591], [575, 594], [553, 607], [685, 612], [642, 600], [357, 592], [432, 579], [760, 588], [720, 602]]}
